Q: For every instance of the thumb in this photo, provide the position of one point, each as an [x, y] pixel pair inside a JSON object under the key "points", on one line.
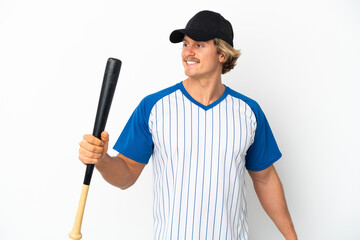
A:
{"points": [[105, 139], [105, 136]]}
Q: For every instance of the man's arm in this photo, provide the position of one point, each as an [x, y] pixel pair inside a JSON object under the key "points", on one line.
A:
{"points": [[270, 192], [119, 171]]}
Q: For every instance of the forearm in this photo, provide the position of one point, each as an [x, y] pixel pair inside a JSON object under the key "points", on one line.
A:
{"points": [[116, 171], [271, 195]]}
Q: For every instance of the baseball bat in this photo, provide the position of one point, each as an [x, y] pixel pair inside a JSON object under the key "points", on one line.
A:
{"points": [[111, 76]]}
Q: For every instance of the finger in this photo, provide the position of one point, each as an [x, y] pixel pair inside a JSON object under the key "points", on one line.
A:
{"points": [[90, 147], [86, 160], [86, 153], [93, 140]]}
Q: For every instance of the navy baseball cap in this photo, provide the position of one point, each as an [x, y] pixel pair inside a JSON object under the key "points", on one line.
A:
{"points": [[204, 26]]}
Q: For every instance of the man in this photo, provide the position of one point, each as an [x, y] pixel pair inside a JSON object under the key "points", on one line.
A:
{"points": [[201, 136]]}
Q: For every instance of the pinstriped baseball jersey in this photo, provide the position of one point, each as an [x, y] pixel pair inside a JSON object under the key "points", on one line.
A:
{"points": [[199, 155]]}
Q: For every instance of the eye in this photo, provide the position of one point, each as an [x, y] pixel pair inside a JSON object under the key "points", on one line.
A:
{"points": [[185, 44]]}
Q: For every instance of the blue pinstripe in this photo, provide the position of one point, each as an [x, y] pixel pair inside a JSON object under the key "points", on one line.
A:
{"points": [[182, 177], [187, 203], [167, 157], [217, 177], [222, 208], [211, 159], [197, 163], [202, 190], [232, 161]]}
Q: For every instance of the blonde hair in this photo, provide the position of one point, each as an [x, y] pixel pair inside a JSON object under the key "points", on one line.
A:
{"points": [[231, 54]]}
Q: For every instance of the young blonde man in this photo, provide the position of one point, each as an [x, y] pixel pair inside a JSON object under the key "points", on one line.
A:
{"points": [[201, 136]]}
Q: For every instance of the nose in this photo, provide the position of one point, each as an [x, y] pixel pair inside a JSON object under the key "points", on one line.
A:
{"points": [[188, 51]]}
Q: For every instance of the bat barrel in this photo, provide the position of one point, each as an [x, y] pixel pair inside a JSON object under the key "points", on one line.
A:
{"points": [[107, 92]]}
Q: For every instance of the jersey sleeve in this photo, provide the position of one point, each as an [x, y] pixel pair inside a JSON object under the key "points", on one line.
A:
{"points": [[264, 150], [135, 141]]}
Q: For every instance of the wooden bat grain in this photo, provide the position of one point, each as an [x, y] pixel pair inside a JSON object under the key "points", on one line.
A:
{"points": [[75, 233]]}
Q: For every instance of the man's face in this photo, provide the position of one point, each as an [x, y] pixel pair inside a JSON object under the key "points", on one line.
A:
{"points": [[200, 59]]}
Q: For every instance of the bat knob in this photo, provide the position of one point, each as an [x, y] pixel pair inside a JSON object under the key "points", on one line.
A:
{"points": [[75, 236]]}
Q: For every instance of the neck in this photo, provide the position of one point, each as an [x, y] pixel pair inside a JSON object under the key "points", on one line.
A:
{"points": [[204, 91]]}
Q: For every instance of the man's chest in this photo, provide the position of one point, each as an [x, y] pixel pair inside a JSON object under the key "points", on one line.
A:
{"points": [[182, 129]]}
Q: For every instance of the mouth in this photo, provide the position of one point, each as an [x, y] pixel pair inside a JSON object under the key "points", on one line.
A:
{"points": [[191, 62]]}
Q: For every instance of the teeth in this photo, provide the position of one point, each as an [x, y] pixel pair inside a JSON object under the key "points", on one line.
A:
{"points": [[189, 62]]}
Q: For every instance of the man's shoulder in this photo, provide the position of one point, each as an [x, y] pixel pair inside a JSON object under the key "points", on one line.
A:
{"points": [[150, 100], [249, 101], [162, 93]]}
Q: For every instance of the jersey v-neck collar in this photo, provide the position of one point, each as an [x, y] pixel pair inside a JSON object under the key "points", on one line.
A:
{"points": [[188, 96]]}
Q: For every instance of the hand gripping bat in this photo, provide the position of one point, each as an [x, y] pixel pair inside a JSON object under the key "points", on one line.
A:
{"points": [[111, 76]]}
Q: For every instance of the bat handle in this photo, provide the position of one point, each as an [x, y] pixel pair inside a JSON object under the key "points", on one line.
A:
{"points": [[76, 231]]}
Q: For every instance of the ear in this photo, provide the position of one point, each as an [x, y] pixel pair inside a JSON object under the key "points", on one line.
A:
{"points": [[222, 58]]}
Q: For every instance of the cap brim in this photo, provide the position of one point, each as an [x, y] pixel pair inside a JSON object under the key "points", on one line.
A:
{"points": [[195, 34]]}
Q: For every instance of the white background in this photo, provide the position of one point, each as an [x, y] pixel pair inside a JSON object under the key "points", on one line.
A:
{"points": [[300, 60]]}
